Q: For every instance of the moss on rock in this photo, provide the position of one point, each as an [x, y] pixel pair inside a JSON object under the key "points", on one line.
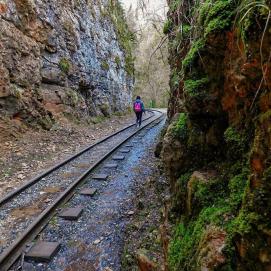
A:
{"points": [[64, 65]]}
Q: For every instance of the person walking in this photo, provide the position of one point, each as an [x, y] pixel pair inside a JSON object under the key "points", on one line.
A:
{"points": [[138, 109]]}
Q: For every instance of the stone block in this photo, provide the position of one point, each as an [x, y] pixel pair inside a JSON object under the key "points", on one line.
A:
{"points": [[43, 251]]}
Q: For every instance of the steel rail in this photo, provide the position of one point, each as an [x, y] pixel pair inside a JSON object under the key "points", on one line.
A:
{"points": [[36, 179], [12, 253]]}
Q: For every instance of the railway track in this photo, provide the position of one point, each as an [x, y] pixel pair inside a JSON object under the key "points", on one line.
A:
{"points": [[25, 211]]}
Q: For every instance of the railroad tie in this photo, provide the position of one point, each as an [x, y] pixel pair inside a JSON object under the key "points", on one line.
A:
{"points": [[118, 157], [101, 177], [43, 251], [111, 165], [71, 213], [88, 192], [125, 150]]}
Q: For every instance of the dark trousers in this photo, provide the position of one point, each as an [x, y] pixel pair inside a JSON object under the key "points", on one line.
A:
{"points": [[139, 117]]}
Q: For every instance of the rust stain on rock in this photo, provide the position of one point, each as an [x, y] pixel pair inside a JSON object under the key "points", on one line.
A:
{"points": [[52, 190], [257, 165], [24, 212], [3, 8]]}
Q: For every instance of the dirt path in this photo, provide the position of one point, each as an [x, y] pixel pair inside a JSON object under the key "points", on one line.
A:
{"points": [[30, 153]]}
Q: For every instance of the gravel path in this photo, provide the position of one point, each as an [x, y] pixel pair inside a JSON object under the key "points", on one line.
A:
{"points": [[19, 213], [28, 154], [95, 241]]}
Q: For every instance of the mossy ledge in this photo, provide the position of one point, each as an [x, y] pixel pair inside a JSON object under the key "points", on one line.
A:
{"points": [[216, 151]]}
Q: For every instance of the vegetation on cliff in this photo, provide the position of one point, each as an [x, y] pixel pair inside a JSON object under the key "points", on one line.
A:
{"points": [[217, 148], [125, 36]]}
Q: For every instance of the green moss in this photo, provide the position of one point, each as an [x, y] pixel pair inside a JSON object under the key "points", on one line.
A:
{"points": [[217, 24], [203, 12], [178, 199], [207, 193], [243, 223], [184, 245], [185, 29], [167, 27], [181, 126], [46, 122], [193, 53], [232, 136], [237, 186], [183, 179], [216, 15], [236, 142], [64, 65], [218, 203], [118, 61], [193, 87], [105, 65]]}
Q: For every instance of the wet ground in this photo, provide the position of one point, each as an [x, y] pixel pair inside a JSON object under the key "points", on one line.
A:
{"points": [[96, 240]]}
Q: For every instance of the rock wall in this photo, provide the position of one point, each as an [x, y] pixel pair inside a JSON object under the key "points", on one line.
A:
{"points": [[217, 147], [59, 59]]}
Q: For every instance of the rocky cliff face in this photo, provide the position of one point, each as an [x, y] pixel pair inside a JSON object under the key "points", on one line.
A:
{"points": [[62, 58], [217, 147]]}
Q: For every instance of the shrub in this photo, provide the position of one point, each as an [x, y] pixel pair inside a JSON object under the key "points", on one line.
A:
{"points": [[105, 65], [64, 65], [167, 27]]}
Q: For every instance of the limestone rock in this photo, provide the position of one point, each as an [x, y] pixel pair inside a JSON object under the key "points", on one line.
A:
{"points": [[62, 48]]}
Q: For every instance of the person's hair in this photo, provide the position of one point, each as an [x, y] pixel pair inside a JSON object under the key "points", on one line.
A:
{"points": [[138, 97]]}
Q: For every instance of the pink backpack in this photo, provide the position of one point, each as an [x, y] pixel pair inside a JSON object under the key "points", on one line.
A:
{"points": [[137, 107]]}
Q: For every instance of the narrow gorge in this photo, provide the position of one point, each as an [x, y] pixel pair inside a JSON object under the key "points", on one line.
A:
{"points": [[189, 189]]}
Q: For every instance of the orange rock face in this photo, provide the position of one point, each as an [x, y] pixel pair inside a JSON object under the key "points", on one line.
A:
{"points": [[3, 8], [236, 97]]}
